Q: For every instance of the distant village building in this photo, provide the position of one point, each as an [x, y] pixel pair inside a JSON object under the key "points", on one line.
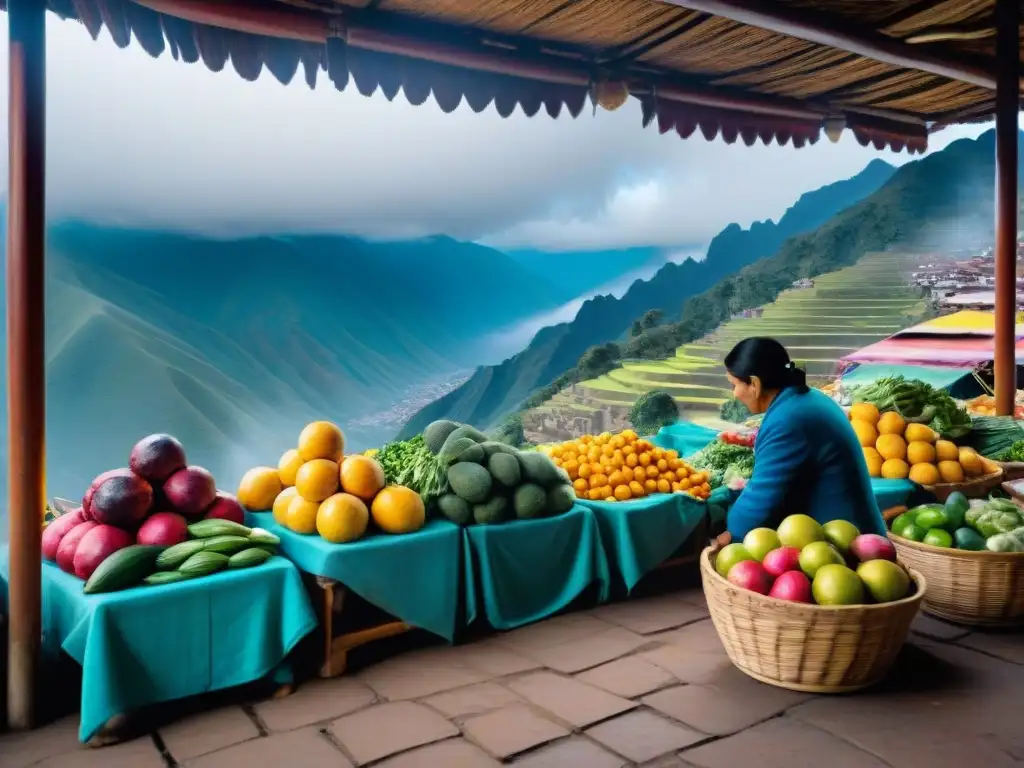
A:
{"points": [[804, 282]]}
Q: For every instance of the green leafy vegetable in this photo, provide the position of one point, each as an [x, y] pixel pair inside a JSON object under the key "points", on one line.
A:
{"points": [[992, 436], [718, 457], [410, 463]]}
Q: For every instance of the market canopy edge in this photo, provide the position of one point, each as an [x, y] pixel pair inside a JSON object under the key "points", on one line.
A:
{"points": [[691, 70]]}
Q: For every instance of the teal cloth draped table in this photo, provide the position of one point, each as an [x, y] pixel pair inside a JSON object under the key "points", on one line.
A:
{"points": [[891, 493], [526, 570], [150, 645], [415, 577], [640, 535]]}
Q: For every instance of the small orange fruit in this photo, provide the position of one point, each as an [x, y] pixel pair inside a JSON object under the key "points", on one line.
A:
{"points": [[258, 488], [321, 440], [342, 518], [301, 515], [281, 503], [317, 479], [398, 509], [362, 477], [288, 466]]}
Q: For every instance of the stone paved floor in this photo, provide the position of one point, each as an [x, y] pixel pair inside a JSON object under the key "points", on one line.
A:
{"points": [[643, 683]]}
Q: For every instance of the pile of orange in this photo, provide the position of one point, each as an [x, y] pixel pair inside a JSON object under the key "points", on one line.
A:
{"points": [[622, 467]]}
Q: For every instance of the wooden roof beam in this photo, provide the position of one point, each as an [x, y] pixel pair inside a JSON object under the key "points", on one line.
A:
{"points": [[843, 34]]}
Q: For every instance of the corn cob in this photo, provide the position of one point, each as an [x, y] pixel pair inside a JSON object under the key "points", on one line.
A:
{"points": [[226, 545], [206, 529], [174, 556], [203, 564], [249, 557]]}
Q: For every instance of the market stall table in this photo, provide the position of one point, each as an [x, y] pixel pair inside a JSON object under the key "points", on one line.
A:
{"points": [[150, 645], [414, 577], [526, 570]]}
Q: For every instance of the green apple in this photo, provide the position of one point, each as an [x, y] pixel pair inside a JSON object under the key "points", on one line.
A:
{"points": [[818, 554], [837, 585], [840, 534], [729, 556], [799, 531], [885, 581]]}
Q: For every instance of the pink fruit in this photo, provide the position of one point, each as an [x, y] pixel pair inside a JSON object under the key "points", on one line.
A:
{"points": [[782, 560], [750, 574], [96, 546], [100, 479], [70, 542], [157, 457], [871, 546], [122, 500], [55, 531], [191, 491], [226, 507], [162, 529], [792, 586]]}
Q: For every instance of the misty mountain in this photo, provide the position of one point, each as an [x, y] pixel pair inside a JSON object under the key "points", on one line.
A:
{"points": [[581, 272], [494, 391]]}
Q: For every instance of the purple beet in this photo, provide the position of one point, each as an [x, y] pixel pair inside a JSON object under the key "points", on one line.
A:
{"points": [[157, 457], [100, 479], [123, 500]]}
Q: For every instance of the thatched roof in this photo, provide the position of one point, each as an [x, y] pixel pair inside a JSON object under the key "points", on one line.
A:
{"points": [[734, 74]]}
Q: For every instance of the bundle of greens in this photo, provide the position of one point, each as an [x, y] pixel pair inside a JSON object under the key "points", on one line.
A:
{"points": [[410, 463], [994, 436], [917, 402], [719, 457]]}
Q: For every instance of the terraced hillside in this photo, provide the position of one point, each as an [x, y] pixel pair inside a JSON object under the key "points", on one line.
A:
{"points": [[842, 312]]}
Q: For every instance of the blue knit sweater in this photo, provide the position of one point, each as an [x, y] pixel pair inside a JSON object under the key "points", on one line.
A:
{"points": [[806, 460]]}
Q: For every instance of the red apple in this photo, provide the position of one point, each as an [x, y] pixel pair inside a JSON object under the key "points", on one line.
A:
{"points": [[782, 560], [792, 586], [871, 546], [750, 574]]}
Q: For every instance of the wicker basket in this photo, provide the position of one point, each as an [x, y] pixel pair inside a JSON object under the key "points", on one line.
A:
{"points": [[983, 589], [1012, 470], [811, 648], [975, 488]]}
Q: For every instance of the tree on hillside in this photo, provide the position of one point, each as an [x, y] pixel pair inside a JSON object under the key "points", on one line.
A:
{"points": [[650, 319], [652, 411], [597, 361]]}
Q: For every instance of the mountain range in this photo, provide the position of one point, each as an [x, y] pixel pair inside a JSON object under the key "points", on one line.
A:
{"points": [[494, 391]]}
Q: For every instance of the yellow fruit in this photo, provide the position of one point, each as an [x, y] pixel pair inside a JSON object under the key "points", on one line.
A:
{"points": [[874, 461], [622, 492], [971, 462], [288, 466], [301, 515], [321, 440], [580, 485], [895, 469], [281, 503], [341, 518], [259, 488], [924, 474], [920, 452], [361, 477], [317, 479], [866, 433], [891, 423], [891, 446], [636, 490], [946, 451], [951, 471], [398, 509], [919, 433], [864, 412]]}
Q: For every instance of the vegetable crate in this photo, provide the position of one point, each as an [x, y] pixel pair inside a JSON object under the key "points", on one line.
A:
{"points": [[983, 589], [809, 648], [974, 488]]}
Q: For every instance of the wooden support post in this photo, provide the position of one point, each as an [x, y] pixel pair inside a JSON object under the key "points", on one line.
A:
{"points": [[1008, 16]]}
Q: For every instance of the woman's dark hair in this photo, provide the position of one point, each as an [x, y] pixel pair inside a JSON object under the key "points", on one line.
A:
{"points": [[766, 359]]}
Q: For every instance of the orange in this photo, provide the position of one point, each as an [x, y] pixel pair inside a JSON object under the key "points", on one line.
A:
{"points": [[891, 423], [616, 479], [317, 479], [622, 492], [580, 485], [301, 515], [650, 486], [662, 465], [598, 480], [259, 488], [637, 490], [342, 518], [920, 452], [281, 505], [920, 432], [864, 412], [874, 461], [664, 486], [594, 494], [362, 477], [321, 440], [288, 466], [946, 451], [891, 447], [398, 509], [584, 472], [951, 471], [652, 471], [895, 469], [866, 433], [924, 474]]}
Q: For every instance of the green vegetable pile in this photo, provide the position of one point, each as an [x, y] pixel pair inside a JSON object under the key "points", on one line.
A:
{"points": [[410, 463], [1014, 453], [918, 403], [995, 525], [994, 436], [718, 458]]}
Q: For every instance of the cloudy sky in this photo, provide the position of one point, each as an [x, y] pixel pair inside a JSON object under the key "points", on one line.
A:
{"points": [[136, 140]]}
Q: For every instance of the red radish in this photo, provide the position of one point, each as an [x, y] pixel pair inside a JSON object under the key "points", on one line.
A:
{"points": [[96, 546], [191, 491], [782, 560], [750, 574], [226, 507], [56, 531], [163, 529], [70, 542], [871, 546], [100, 479], [792, 586]]}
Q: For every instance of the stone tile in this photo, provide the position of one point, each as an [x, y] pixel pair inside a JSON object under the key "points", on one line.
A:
{"points": [[693, 595], [570, 701], [642, 736], [561, 629], [512, 730], [937, 629], [21, 750], [140, 753], [687, 665], [387, 729], [570, 753], [782, 743], [1006, 646], [653, 614], [472, 700], [307, 747], [577, 655], [314, 702], [208, 732], [454, 753], [415, 675], [494, 659], [628, 677], [700, 636]]}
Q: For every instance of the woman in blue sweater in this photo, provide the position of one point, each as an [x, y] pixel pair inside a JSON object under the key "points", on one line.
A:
{"points": [[807, 458]]}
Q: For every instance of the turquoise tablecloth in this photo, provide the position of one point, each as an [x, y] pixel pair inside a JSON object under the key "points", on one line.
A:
{"points": [[640, 535], [684, 437], [155, 644], [414, 577], [523, 571], [891, 493]]}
